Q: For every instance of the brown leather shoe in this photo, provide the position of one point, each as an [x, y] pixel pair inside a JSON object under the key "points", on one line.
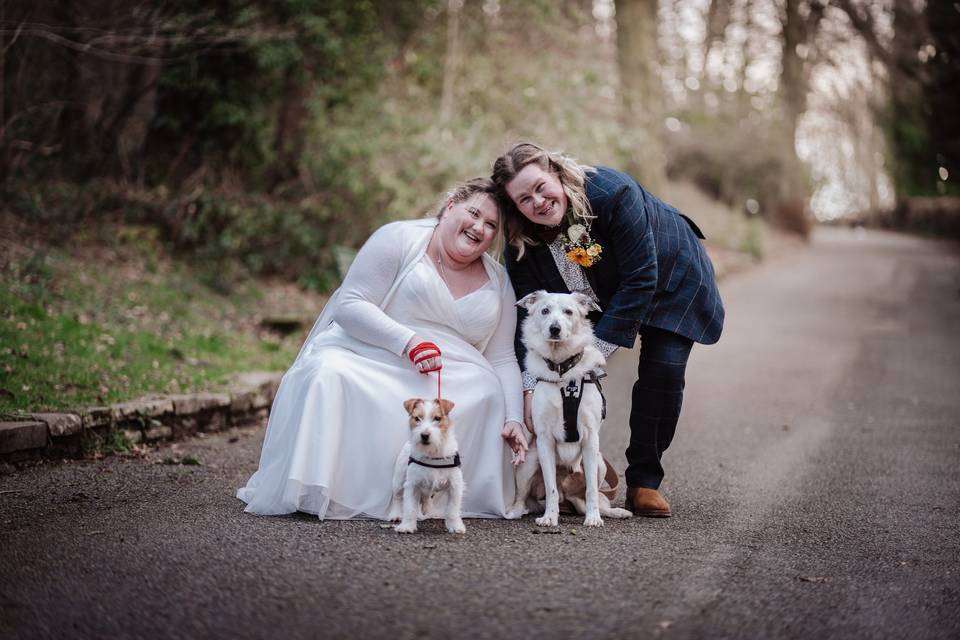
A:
{"points": [[647, 502]]}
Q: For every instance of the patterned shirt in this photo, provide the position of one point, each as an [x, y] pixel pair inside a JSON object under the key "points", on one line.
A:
{"points": [[576, 280]]}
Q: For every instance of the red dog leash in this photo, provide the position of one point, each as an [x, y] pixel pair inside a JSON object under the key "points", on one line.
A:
{"points": [[424, 351]]}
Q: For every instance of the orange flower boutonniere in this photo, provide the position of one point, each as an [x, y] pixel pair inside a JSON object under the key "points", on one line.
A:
{"points": [[579, 247]]}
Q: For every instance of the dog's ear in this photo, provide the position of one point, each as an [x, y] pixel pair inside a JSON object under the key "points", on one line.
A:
{"points": [[446, 406], [411, 404], [530, 299], [586, 302]]}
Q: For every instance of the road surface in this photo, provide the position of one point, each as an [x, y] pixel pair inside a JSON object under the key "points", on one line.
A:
{"points": [[815, 479]]}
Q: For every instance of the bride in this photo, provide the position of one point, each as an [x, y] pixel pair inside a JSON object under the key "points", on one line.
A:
{"points": [[337, 422]]}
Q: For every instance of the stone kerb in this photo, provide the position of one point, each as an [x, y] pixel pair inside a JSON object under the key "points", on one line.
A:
{"points": [[150, 419], [21, 436]]}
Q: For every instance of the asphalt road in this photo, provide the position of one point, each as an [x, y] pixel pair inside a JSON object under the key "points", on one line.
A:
{"points": [[814, 477]]}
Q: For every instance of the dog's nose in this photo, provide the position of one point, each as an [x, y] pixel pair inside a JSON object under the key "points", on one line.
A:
{"points": [[425, 438], [554, 330]]}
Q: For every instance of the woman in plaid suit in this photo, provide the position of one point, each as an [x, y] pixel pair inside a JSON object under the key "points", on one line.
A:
{"points": [[596, 230]]}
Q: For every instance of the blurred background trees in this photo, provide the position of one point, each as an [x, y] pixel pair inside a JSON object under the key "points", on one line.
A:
{"points": [[272, 132]]}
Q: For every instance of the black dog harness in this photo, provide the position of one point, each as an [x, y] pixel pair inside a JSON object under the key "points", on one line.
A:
{"points": [[438, 463], [572, 394]]}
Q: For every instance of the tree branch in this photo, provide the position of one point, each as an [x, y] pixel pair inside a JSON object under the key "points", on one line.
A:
{"points": [[153, 42], [864, 26]]}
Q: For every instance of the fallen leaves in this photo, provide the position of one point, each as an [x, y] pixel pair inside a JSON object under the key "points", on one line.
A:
{"points": [[186, 461]]}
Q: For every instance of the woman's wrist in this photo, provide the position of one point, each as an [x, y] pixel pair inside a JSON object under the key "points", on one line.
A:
{"points": [[414, 340]]}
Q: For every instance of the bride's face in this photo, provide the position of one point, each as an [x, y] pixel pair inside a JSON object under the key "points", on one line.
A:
{"points": [[468, 228]]}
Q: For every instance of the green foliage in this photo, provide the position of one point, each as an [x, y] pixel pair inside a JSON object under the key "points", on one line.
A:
{"points": [[730, 158], [921, 120], [267, 236], [75, 333], [752, 241], [117, 442], [229, 99], [280, 130]]}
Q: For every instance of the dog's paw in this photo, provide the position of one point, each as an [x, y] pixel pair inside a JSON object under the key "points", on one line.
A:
{"points": [[405, 527], [593, 520], [547, 520], [616, 512], [394, 514], [456, 526], [516, 512]]}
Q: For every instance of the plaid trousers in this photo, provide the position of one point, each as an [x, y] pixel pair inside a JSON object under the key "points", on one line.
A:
{"points": [[657, 398]]}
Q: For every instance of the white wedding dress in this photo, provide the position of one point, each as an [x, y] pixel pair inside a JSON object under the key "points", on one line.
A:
{"points": [[338, 423]]}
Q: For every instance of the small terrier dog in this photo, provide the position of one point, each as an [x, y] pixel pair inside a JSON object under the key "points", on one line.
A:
{"points": [[428, 464], [568, 406]]}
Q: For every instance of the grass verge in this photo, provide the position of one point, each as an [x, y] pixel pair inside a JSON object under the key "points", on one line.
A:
{"points": [[101, 316]]}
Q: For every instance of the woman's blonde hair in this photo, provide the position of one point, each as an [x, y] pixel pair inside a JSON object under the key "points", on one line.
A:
{"points": [[518, 230], [463, 191]]}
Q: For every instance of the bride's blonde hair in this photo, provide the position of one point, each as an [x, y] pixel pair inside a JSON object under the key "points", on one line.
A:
{"points": [[518, 230]]}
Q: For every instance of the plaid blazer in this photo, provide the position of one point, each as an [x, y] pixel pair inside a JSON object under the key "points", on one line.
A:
{"points": [[654, 271]]}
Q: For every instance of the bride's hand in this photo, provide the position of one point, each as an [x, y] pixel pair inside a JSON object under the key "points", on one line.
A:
{"points": [[430, 365], [513, 434], [424, 366]]}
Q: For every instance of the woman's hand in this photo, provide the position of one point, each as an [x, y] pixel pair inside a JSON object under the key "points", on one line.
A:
{"points": [[528, 410], [513, 434], [427, 365]]}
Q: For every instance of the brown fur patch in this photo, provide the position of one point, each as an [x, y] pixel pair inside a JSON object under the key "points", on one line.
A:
{"points": [[446, 406], [442, 412], [414, 408]]}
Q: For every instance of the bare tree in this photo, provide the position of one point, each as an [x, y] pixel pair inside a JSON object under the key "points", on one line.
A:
{"points": [[907, 112], [800, 22], [718, 17], [638, 58], [451, 62]]}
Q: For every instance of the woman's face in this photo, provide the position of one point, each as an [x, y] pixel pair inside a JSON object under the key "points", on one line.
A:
{"points": [[538, 195], [468, 228]]}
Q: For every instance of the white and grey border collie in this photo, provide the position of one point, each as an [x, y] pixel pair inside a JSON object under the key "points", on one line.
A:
{"points": [[562, 356]]}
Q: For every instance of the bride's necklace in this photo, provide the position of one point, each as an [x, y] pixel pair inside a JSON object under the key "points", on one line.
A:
{"points": [[443, 273]]}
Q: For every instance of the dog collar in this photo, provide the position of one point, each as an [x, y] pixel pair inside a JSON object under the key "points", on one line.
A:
{"points": [[562, 367], [437, 463]]}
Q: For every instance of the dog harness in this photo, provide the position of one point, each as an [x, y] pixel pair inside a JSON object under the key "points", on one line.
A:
{"points": [[437, 463], [572, 394]]}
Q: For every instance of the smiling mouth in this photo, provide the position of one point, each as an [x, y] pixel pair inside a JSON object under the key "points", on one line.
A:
{"points": [[471, 237], [547, 210]]}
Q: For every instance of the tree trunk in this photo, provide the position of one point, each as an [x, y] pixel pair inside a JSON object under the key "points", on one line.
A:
{"points": [[718, 18], [452, 62], [289, 140], [3, 71], [791, 206], [641, 90], [134, 123]]}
